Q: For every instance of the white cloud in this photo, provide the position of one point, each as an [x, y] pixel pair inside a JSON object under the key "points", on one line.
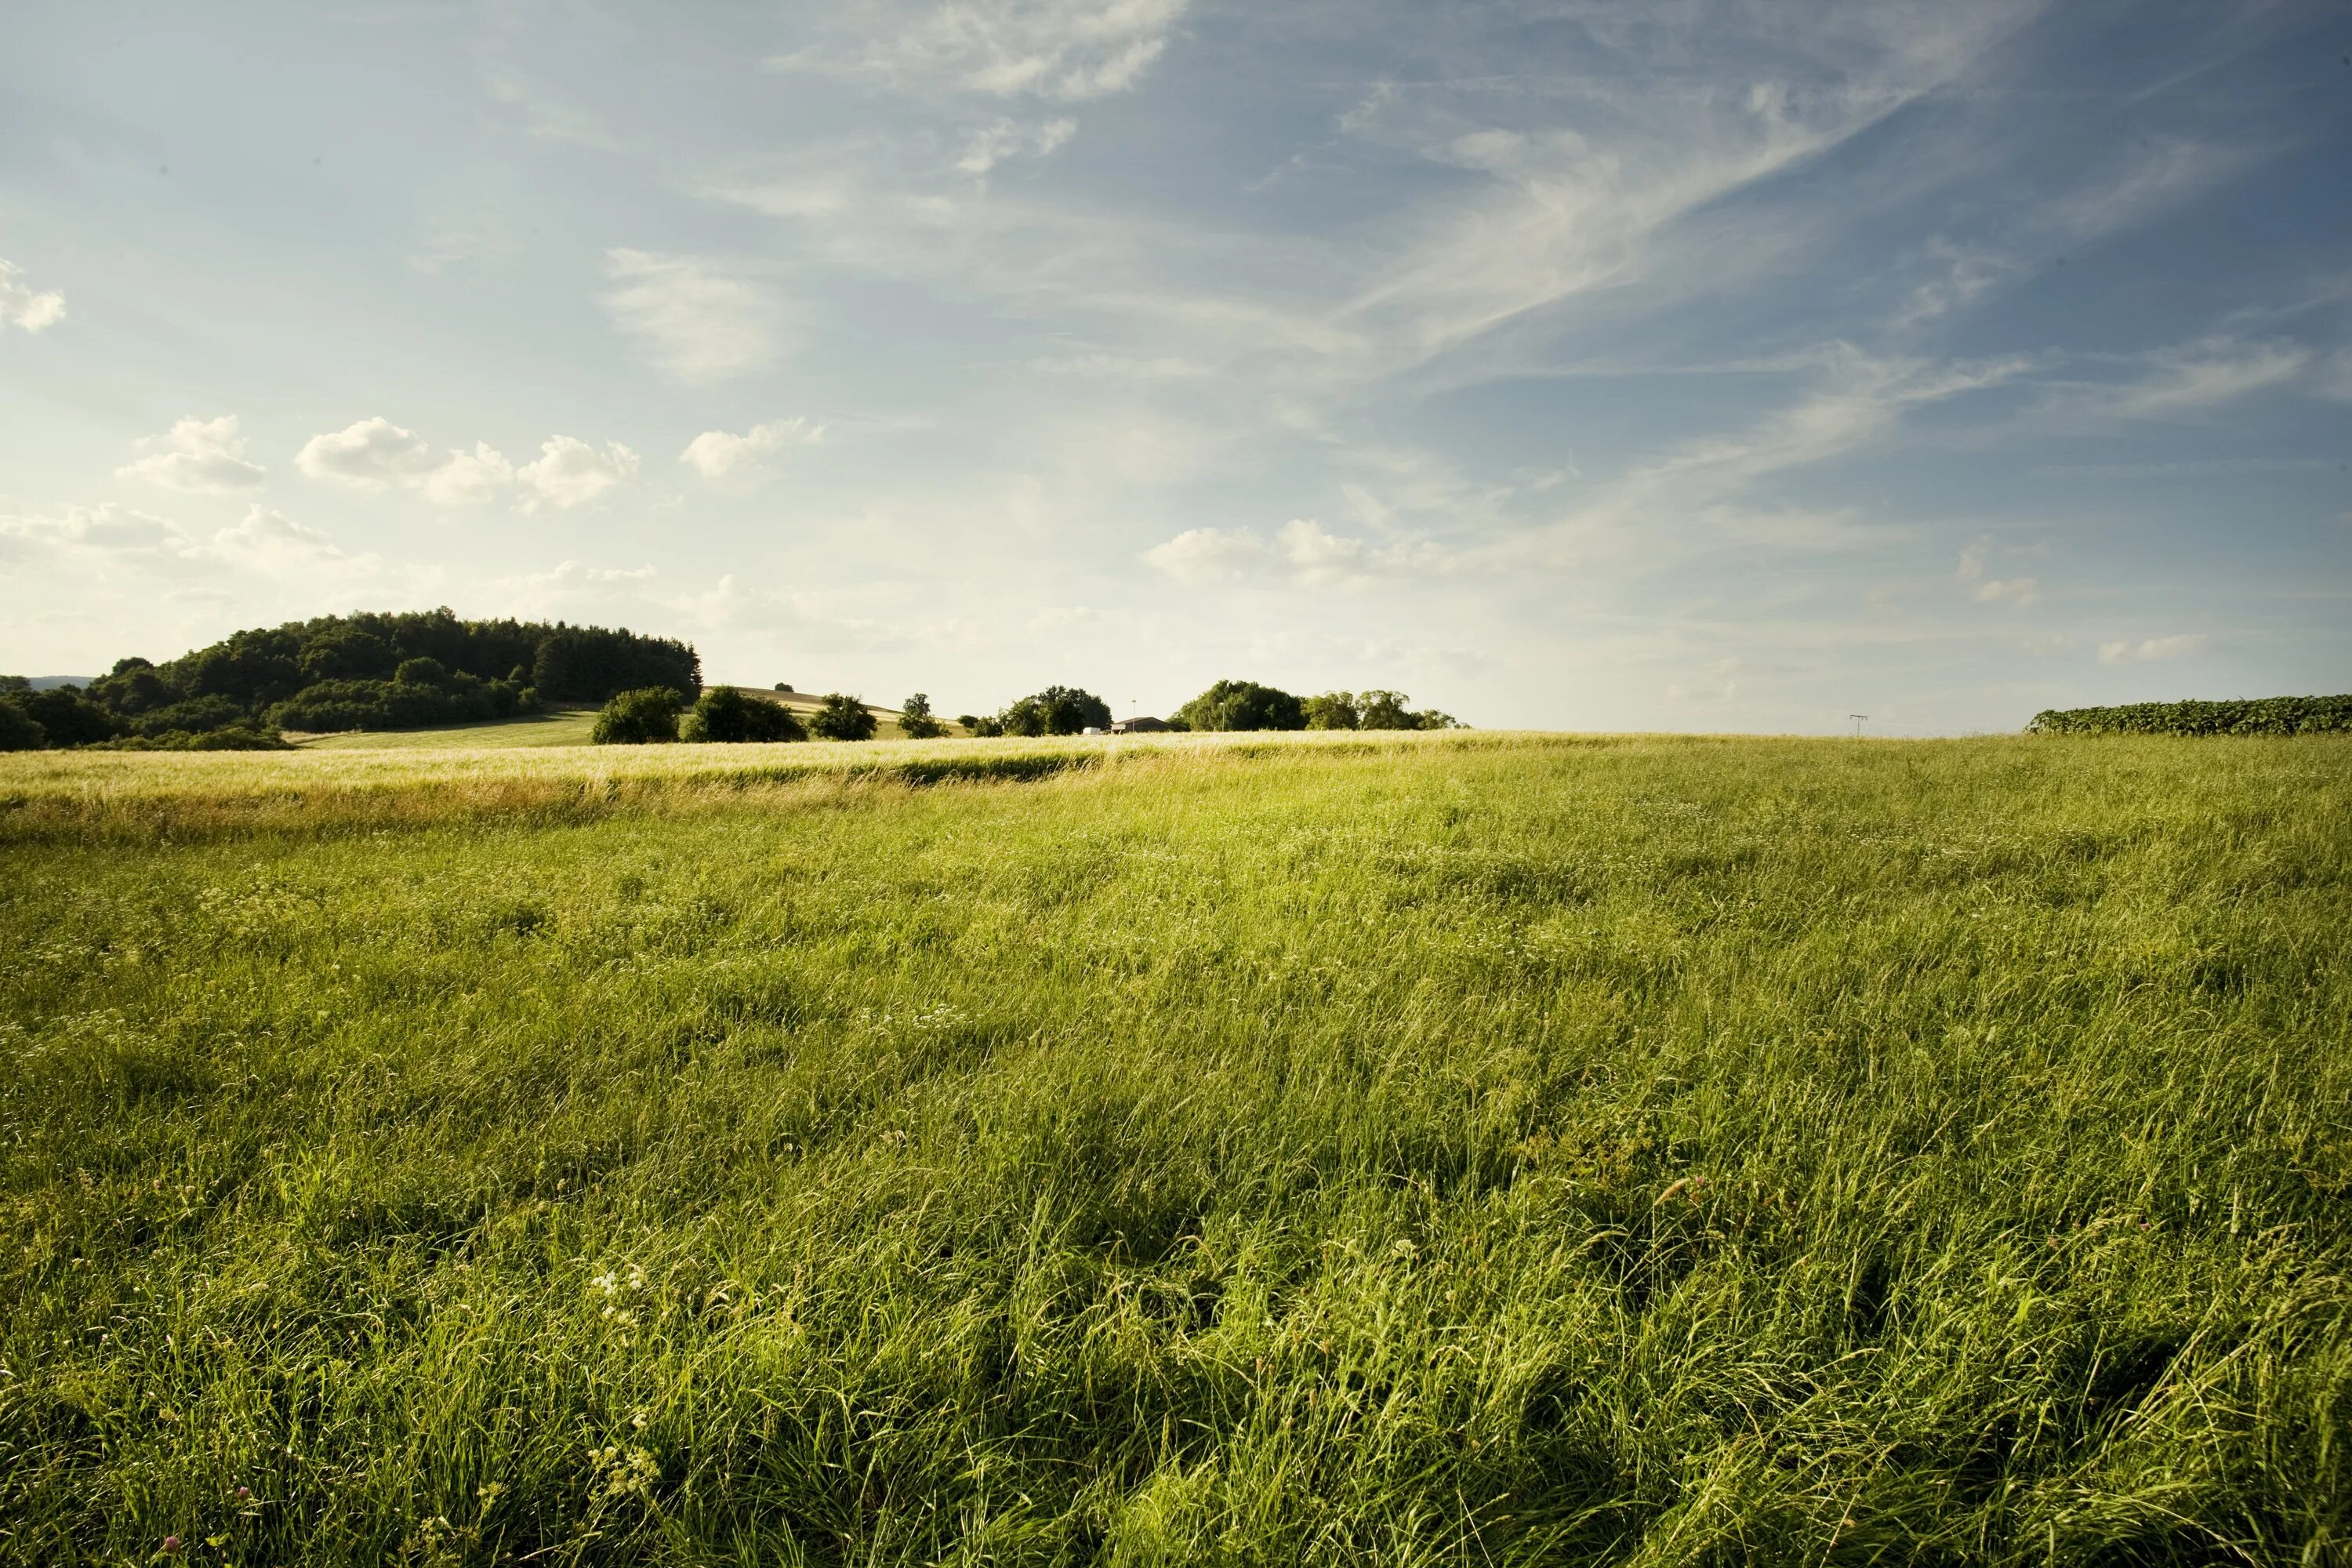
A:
{"points": [[1207, 554], [1304, 549], [368, 454], [21, 306], [716, 453], [699, 320], [1046, 48], [199, 456], [2126, 651], [2189, 379], [2017, 591], [375, 454], [468, 479], [992, 144], [272, 540], [105, 529], [569, 472]]}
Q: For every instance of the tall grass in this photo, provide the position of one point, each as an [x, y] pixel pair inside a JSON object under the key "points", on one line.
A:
{"points": [[1465, 1151]]}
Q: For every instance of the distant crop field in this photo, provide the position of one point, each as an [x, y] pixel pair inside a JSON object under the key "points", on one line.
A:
{"points": [[1426, 1149], [555, 727]]}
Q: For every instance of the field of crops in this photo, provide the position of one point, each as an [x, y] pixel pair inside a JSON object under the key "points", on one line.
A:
{"points": [[1424, 1149]]}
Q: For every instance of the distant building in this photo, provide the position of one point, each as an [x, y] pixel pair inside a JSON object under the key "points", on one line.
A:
{"points": [[1094, 730], [1139, 726]]}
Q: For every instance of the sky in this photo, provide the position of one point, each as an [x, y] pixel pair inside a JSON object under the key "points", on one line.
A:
{"points": [[1668, 366]]}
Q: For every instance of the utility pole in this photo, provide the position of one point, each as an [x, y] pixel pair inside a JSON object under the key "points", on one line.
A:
{"points": [[1858, 719]]}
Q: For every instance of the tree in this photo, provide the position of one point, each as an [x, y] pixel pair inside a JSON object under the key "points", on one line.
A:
{"points": [[725, 713], [19, 731], [641, 717], [69, 718], [1243, 705], [916, 720], [988, 726], [1332, 710], [420, 672], [1069, 710], [842, 717]]}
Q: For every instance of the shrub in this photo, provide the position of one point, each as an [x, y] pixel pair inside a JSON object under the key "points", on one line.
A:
{"points": [[237, 738], [2241, 716], [988, 726], [842, 717], [420, 672], [1242, 705], [726, 713], [643, 717], [917, 721]]}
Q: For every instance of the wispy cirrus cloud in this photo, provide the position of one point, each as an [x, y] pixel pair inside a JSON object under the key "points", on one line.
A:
{"points": [[699, 318], [1063, 49], [1303, 550], [2181, 645]]}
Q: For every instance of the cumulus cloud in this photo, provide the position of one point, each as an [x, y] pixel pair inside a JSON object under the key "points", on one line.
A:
{"points": [[468, 479], [1303, 549], [1207, 554], [370, 454], [569, 472], [21, 306], [198, 457], [272, 540], [992, 145], [377, 455], [2126, 651], [106, 529], [697, 320], [1045, 48], [718, 453]]}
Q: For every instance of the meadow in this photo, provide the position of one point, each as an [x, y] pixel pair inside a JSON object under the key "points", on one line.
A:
{"points": [[1416, 1149]]}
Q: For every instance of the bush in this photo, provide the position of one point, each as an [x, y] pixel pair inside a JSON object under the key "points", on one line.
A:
{"points": [[1242, 705], [842, 717], [237, 737], [725, 713], [916, 720], [335, 705], [644, 717], [196, 714], [420, 672], [988, 726], [20, 730], [2241, 716]]}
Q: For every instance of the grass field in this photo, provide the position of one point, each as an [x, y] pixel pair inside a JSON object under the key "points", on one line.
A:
{"points": [[551, 727], [1440, 1149]]}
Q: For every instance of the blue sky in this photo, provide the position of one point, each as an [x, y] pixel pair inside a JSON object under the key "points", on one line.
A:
{"points": [[1677, 367]]}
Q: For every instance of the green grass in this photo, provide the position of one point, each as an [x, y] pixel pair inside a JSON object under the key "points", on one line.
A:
{"points": [[552, 727], [1477, 1149]]}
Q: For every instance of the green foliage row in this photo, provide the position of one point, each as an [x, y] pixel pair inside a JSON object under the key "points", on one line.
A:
{"points": [[1248, 705], [2238, 716], [1424, 1150]]}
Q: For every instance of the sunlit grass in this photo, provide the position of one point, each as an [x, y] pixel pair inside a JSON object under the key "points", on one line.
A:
{"points": [[1441, 1149]]}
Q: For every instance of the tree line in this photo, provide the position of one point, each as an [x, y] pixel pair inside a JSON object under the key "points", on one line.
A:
{"points": [[363, 671], [655, 714]]}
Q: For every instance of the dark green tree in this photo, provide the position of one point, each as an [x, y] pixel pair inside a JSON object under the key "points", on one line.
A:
{"points": [[728, 713], [842, 717], [1332, 710], [1243, 705], [20, 730], [638, 718], [917, 721], [69, 718]]}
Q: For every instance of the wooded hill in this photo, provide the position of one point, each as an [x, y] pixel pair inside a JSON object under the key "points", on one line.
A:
{"points": [[363, 671]]}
